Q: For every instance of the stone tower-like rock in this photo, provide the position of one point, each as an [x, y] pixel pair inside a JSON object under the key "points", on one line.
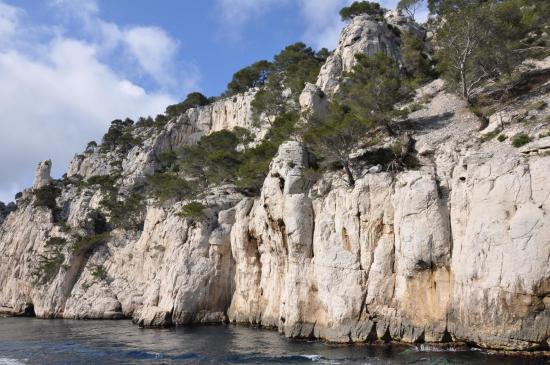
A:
{"points": [[42, 175], [364, 35]]}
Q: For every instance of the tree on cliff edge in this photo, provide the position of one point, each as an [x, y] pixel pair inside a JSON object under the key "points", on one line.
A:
{"points": [[361, 7], [366, 101]]}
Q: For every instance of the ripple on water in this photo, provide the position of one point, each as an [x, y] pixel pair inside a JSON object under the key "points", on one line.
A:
{"points": [[60, 342]]}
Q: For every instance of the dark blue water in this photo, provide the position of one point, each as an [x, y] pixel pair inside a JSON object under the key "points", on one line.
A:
{"points": [[33, 341]]}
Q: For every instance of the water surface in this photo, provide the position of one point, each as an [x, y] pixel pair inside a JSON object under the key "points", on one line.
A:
{"points": [[34, 341]]}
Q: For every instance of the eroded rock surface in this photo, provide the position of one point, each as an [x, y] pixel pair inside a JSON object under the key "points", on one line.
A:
{"points": [[456, 250]]}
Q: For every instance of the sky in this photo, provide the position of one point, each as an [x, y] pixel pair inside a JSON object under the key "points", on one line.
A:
{"points": [[69, 67]]}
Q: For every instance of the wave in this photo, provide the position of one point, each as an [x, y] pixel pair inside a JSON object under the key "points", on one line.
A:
{"points": [[286, 359], [7, 361], [441, 348]]}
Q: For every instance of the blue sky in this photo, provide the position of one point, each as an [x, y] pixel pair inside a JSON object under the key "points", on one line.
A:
{"points": [[69, 67]]}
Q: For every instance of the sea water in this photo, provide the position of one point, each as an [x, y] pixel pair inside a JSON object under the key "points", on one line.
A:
{"points": [[35, 341]]}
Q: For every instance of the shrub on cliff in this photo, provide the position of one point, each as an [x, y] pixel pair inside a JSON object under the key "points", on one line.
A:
{"points": [[249, 77], [478, 41], [213, 160], [336, 136], [192, 100], [167, 186], [51, 261], [166, 161], [374, 86], [364, 104], [194, 210], [127, 213], [417, 64], [521, 140], [360, 7], [99, 272], [291, 69], [46, 197], [119, 136], [85, 245], [255, 161], [98, 222]]}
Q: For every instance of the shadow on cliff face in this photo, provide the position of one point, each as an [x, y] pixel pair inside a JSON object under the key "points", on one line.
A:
{"points": [[427, 124], [28, 311]]}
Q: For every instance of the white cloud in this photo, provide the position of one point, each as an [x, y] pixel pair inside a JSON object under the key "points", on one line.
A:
{"points": [[321, 20], [154, 51], [8, 19], [323, 24], [238, 12], [150, 49], [57, 92]]}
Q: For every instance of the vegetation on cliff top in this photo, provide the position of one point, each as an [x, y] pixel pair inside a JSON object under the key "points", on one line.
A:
{"points": [[475, 40], [361, 7]]}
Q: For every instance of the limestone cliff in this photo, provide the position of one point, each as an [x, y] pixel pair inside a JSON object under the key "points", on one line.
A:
{"points": [[455, 250]]}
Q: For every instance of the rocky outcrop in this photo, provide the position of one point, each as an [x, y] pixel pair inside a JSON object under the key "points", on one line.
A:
{"points": [[6, 209], [42, 175], [313, 100], [364, 35], [178, 271], [225, 113]]}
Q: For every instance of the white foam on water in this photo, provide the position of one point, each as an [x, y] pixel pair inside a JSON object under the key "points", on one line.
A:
{"points": [[319, 358], [6, 361], [312, 357]]}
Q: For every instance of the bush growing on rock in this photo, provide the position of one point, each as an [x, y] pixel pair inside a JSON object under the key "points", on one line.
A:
{"points": [[98, 222], [291, 69], [193, 210], [249, 77], [52, 260], [166, 161], [521, 140], [165, 186], [5, 210], [46, 197], [417, 64], [366, 102], [361, 7], [105, 182], [255, 161], [213, 160], [373, 88], [335, 136], [99, 272], [127, 213], [192, 100], [85, 245], [119, 136]]}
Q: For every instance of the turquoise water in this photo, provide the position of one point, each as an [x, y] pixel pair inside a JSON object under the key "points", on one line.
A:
{"points": [[34, 341]]}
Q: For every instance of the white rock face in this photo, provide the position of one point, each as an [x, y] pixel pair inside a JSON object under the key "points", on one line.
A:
{"points": [[225, 113], [380, 261], [364, 35], [42, 175], [313, 100]]}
